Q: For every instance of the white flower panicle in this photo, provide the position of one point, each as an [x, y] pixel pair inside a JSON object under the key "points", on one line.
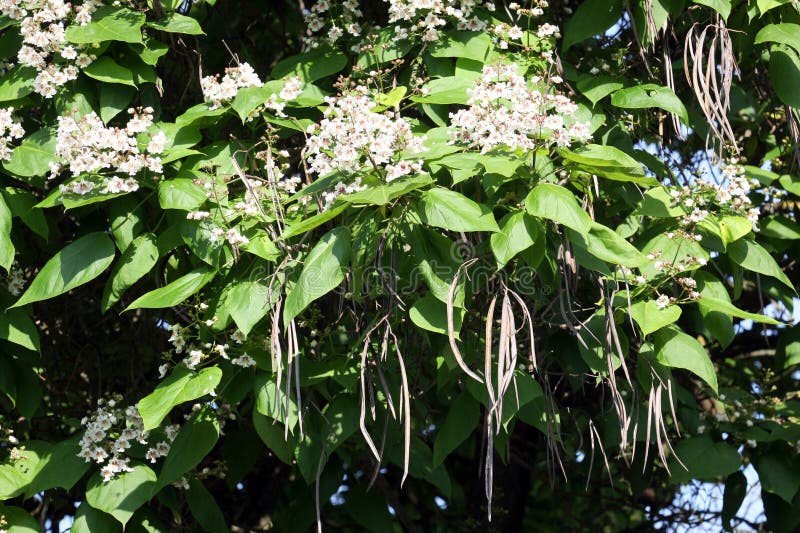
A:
{"points": [[731, 196], [329, 21], [292, 88], [352, 138], [218, 90], [344, 20], [86, 146], [16, 281], [10, 129], [504, 111], [44, 45], [108, 433], [429, 16]]}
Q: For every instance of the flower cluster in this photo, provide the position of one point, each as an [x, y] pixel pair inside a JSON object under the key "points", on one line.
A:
{"points": [[352, 138], [10, 129], [731, 196], [86, 145], [504, 111], [45, 48], [290, 91], [16, 281], [111, 430], [198, 353], [231, 235], [429, 16], [343, 20], [235, 78]]}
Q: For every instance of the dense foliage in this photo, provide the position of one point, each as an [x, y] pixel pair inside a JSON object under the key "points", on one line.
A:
{"points": [[422, 265]]}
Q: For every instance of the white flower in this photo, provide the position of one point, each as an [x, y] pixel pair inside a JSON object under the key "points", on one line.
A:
{"points": [[244, 361], [663, 301], [235, 78], [505, 110]]}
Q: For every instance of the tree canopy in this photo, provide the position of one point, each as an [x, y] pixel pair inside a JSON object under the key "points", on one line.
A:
{"points": [[401, 265]]}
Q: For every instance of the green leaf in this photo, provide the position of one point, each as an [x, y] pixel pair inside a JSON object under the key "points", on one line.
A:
{"points": [[676, 349], [453, 211], [183, 385], [17, 327], [176, 292], [6, 245], [22, 205], [752, 256], [196, 438], [596, 354], [271, 402], [676, 251], [733, 497], [385, 48], [151, 51], [518, 232], [784, 33], [204, 508], [272, 433], [306, 224], [180, 193], [704, 459], [462, 419], [437, 259], [137, 260], [19, 520], [385, 193], [261, 246], [790, 183], [784, 73], [114, 100], [177, 23], [109, 24], [733, 228], [318, 63], [723, 7], [766, 5], [606, 244], [249, 303], [775, 227], [430, 313], [447, 90], [78, 263], [323, 271], [595, 88], [719, 324], [125, 218], [650, 95], [60, 467], [650, 318], [779, 475], [787, 351], [33, 155], [558, 204], [124, 494], [17, 83], [392, 98], [17, 475], [249, 99], [464, 44], [592, 17], [608, 162], [709, 304], [107, 70], [89, 520]]}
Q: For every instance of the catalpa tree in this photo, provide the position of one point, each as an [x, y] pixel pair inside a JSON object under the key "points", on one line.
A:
{"points": [[421, 265]]}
